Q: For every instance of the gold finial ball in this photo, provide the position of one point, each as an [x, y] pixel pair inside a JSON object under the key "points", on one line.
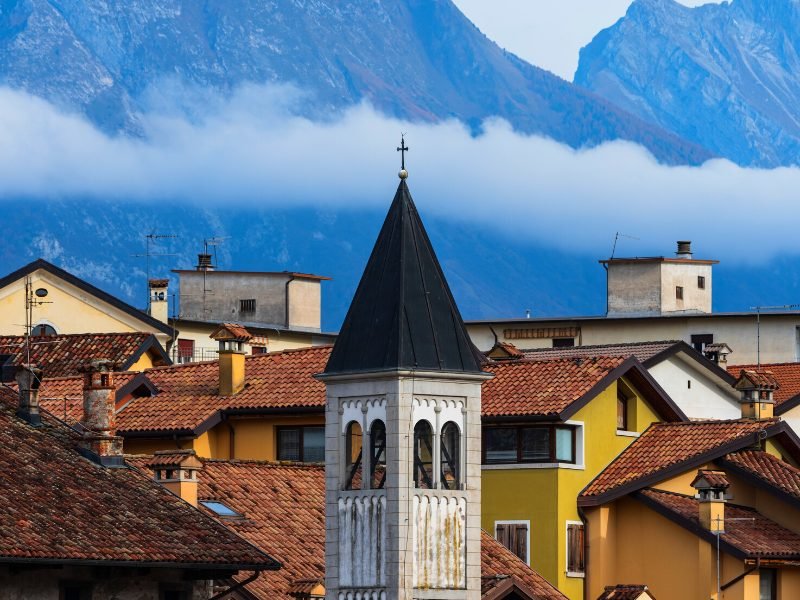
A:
{"points": [[403, 174]]}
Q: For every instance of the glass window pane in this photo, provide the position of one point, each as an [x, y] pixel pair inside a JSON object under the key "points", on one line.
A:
{"points": [[353, 464], [378, 463], [767, 584], [450, 456], [314, 444], [535, 443], [564, 445], [501, 444], [288, 444], [423, 455]]}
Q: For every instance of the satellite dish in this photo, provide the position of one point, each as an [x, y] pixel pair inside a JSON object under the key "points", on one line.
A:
{"points": [[41, 292]]}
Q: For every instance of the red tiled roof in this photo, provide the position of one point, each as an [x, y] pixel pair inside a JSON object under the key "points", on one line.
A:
{"points": [[283, 506], [188, 394], [62, 355], [63, 396], [746, 530], [547, 387], [643, 351], [623, 592], [664, 445], [768, 469], [227, 331], [761, 378], [786, 374], [716, 479], [58, 505]]}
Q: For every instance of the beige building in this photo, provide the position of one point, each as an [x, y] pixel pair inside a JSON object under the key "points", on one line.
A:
{"points": [[652, 299]]}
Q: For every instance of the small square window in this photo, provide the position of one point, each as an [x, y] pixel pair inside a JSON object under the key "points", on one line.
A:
{"points": [[247, 306], [563, 342], [220, 509], [679, 292], [701, 282]]}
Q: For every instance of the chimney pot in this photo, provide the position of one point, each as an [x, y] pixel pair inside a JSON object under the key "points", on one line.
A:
{"points": [[204, 262], [100, 442], [177, 471], [684, 249], [29, 378]]}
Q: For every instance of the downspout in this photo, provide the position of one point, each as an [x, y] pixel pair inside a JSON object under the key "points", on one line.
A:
{"points": [[582, 517], [741, 576], [286, 299], [237, 586]]}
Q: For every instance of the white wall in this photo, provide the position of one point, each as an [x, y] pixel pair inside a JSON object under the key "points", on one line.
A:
{"points": [[704, 399]]}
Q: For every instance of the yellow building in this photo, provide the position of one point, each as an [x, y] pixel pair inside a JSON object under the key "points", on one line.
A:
{"points": [[549, 427], [61, 303], [700, 510]]}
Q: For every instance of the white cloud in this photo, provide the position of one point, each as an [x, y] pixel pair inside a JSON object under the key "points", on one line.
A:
{"points": [[251, 149]]}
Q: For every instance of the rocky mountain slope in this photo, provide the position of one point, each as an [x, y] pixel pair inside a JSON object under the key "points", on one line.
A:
{"points": [[725, 76], [416, 59]]}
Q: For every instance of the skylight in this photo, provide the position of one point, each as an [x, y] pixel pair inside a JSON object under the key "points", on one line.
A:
{"points": [[219, 508]]}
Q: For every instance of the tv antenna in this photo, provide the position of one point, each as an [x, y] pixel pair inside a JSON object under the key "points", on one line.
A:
{"points": [[33, 298], [758, 310], [616, 240], [150, 239], [211, 242]]}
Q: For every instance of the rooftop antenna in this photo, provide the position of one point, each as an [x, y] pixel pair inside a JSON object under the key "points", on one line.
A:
{"points": [[212, 242], [758, 310], [613, 253], [32, 298], [150, 239]]}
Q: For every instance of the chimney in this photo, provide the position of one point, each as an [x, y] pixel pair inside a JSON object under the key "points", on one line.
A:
{"points": [[204, 262], [231, 338], [717, 353], [29, 378], [100, 442], [711, 487], [757, 387], [159, 299], [177, 471], [684, 249]]}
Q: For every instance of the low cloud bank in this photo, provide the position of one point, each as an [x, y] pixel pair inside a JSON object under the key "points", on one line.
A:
{"points": [[252, 148]]}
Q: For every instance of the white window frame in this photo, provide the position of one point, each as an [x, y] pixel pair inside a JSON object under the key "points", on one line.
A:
{"points": [[578, 465], [527, 537], [577, 575]]}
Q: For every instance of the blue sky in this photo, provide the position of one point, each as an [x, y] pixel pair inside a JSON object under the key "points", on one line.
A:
{"points": [[547, 33]]}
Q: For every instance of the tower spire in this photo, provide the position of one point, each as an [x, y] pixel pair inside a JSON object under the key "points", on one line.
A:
{"points": [[402, 149]]}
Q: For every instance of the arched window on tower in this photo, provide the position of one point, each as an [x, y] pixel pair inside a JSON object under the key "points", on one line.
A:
{"points": [[423, 455], [451, 454], [352, 452], [377, 440], [43, 329]]}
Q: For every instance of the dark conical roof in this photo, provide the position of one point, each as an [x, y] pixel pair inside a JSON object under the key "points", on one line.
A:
{"points": [[403, 315]]}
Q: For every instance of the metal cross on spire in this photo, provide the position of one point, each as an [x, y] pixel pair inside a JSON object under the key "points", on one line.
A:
{"points": [[402, 150]]}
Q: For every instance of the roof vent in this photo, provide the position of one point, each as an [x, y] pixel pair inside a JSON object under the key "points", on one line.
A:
{"points": [[204, 262], [684, 249]]}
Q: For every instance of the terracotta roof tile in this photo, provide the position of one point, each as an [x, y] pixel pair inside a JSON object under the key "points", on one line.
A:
{"points": [[643, 351], [547, 387], [58, 505], [762, 378], [664, 445], [283, 509], [786, 374], [767, 468], [623, 592], [227, 331], [63, 396], [746, 529], [714, 478], [62, 355]]}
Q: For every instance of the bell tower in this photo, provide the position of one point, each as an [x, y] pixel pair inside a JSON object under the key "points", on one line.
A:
{"points": [[403, 429]]}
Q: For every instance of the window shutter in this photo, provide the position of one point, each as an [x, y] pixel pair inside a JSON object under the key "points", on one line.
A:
{"points": [[514, 536], [575, 543]]}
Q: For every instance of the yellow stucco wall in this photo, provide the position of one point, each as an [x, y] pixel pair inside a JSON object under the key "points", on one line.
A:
{"points": [[68, 309], [547, 497], [145, 362]]}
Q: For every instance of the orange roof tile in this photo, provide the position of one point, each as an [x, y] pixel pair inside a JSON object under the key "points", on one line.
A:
{"points": [[497, 562], [227, 331], [761, 378], [528, 387], [767, 469], [786, 374], [747, 532], [63, 396], [624, 592], [663, 446], [62, 355], [643, 351], [714, 478]]}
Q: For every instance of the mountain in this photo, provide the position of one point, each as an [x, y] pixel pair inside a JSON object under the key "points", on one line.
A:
{"points": [[415, 59], [725, 76]]}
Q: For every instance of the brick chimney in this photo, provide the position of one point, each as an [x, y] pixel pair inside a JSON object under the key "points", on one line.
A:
{"points": [[231, 338], [159, 299], [29, 378], [177, 471], [100, 442], [757, 387], [711, 487]]}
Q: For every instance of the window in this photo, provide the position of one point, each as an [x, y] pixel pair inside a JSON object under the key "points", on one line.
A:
{"points": [[529, 444], [247, 306], [75, 591], [301, 444], [575, 546], [622, 410], [767, 584], [352, 454], [514, 535], [701, 340], [423, 455], [679, 292], [43, 329], [258, 349], [701, 282], [377, 440], [563, 342], [220, 509], [451, 449], [185, 350]]}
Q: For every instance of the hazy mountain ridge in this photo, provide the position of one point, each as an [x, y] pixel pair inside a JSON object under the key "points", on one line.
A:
{"points": [[725, 76]]}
